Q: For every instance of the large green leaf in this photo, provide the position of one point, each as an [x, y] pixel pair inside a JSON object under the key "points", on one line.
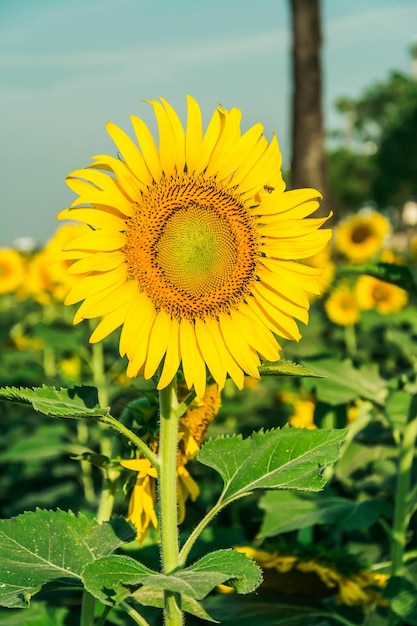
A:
{"points": [[76, 402], [286, 511], [342, 382], [277, 459], [43, 547], [111, 579]]}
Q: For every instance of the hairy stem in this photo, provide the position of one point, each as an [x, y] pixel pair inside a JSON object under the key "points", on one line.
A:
{"points": [[167, 490]]}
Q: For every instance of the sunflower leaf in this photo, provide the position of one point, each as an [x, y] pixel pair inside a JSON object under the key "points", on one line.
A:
{"points": [[286, 368], [111, 579], [51, 548], [342, 382], [277, 459], [399, 275], [78, 402]]}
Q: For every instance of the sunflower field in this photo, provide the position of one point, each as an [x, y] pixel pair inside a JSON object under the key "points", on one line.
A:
{"points": [[225, 428]]}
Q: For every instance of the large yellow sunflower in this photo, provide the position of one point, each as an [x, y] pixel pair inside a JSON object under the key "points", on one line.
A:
{"points": [[194, 247], [361, 236]]}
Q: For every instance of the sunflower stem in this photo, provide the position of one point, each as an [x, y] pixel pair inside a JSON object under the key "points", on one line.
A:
{"points": [[401, 514], [167, 492]]}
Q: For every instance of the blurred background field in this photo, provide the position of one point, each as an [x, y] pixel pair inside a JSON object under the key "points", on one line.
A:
{"points": [[67, 69]]}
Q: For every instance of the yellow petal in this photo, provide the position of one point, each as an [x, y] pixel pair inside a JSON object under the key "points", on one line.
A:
{"points": [[280, 323], [259, 337], [99, 262], [94, 217], [228, 136], [157, 343], [210, 139], [148, 147], [130, 183], [296, 247], [130, 152], [240, 152], [179, 135], [99, 240], [93, 300], [245, 357], [193, 135], [172, 356], [138, 322], [108, 324], [192, 361], [277, 202], [116, 299], [291, 228], [210, 352], [104, 191], [167, 139], [280, 302], [90, 285], [267, 165]]}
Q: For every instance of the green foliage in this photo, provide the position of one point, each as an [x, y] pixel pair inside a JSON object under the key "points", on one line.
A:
{"points": [[45, 547], [276, 459], [79, 402], [287, 511]]}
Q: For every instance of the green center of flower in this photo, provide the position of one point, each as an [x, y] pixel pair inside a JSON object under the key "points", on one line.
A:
{"points": [[192, 246], [196, 251]]}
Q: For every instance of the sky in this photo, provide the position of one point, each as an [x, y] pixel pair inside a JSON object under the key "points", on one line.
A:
{"points": [[69, 66]]}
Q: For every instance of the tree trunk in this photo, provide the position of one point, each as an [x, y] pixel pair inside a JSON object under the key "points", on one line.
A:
{"points": [[308, 164]]}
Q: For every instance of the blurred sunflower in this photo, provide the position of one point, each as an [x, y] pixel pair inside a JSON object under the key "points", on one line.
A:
{"points": [[323, 260], [372, 293], [361, 236], [12, 270], [192, 430], [302, 407], [298, 575], [194, 246], [342, 306]]}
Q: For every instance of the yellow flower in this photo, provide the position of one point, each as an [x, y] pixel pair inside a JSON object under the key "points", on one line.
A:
{"points": [[141, 511], [12, 270], [358, 589], [194, 247], [303, 407], [71, 367], [361, 236], [384, 297], [47, 278], [342, 306]]}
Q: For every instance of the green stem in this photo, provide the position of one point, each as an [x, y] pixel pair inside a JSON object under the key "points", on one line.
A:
{"points": [[137, 618], [401, 514], [350, 340], [220, 504], [87, 609], [130, 436], [167, 490]]}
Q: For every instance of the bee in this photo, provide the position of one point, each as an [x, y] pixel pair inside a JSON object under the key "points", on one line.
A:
{"points": [[269, 189]]}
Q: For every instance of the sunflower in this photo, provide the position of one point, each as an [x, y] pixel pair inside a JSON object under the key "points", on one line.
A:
{"points": [[12, 270], [361, 236], [342, 306], [372, 293], [194, 247], [296, 575]]}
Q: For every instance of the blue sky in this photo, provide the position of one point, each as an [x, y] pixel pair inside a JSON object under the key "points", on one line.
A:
{"points": [[69, 66]]}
